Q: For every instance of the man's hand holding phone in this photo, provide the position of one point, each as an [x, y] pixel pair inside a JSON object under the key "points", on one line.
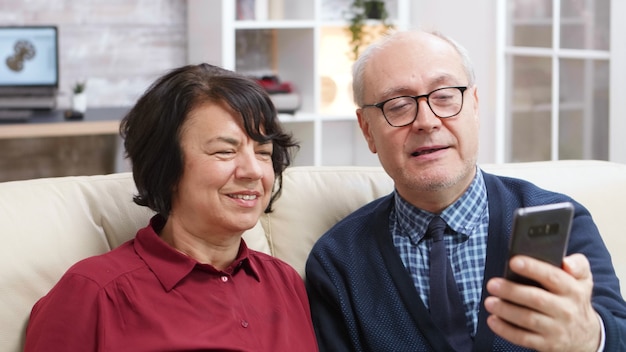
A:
{"points": [[544, 305], [540, 232]]}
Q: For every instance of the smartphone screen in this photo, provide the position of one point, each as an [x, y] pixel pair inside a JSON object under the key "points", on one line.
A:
{"points": [[540, 232]]}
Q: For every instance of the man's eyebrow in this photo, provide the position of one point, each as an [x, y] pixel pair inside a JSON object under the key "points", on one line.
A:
{"points": [[432, 84], [441, 79], [395, 91]]}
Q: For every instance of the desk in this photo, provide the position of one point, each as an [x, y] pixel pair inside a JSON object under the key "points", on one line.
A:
{"points": [[53, 124], [48, 145]]}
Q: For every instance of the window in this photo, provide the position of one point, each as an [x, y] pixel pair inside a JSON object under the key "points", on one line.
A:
{"points": [[557, 79]]}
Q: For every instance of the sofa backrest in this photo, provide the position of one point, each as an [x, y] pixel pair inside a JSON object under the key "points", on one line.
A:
{"points": [[46, 225], [599, 185], [315, 198]]}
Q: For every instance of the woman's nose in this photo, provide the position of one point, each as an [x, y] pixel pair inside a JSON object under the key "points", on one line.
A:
{"points": [[249, 166]]}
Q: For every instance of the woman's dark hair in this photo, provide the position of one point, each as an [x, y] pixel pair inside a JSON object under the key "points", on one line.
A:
{"points": [[152, 128]]}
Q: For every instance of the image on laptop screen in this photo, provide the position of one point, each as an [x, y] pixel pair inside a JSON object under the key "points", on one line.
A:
{"points": [[28, 58]]}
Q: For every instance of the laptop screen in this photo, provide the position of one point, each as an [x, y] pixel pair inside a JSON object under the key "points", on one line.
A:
{"points": [[29, 57]]}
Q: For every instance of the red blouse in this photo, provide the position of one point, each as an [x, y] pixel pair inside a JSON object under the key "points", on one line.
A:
{"points": [[146, 296]]}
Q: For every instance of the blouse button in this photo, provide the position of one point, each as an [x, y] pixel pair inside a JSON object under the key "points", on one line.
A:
{"points": [[224, 278], [244, 323]]}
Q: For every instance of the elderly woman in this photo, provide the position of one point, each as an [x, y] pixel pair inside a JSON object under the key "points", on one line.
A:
{"points": [[206, 149]]}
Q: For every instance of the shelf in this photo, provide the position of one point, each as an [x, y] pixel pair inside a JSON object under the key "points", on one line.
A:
{"points": [[303, 48], [274, 24], [309, 117], [298, 117], [97, 121]]}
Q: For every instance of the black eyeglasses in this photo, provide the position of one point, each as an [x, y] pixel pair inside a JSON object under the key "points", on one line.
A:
{"points": [[402, 111]]}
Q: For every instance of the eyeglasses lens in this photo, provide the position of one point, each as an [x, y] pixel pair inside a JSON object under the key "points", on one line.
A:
{"points": [[444, 103]]}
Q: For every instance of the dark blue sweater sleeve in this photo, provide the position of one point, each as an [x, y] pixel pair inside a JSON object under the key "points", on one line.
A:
{"points": [[607, 298], [331, 332]]}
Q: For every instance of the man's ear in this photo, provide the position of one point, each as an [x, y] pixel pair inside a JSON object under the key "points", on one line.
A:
{"points": [[364, 123], [476, 100]]}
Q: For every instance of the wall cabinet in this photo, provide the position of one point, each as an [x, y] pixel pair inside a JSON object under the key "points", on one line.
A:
{"points": [[304, 43]]}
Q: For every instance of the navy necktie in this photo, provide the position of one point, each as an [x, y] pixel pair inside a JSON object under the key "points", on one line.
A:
{"points": [[446, 307]]}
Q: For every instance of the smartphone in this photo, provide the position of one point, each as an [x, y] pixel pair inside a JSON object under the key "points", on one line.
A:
{"points": [[540, 232]]}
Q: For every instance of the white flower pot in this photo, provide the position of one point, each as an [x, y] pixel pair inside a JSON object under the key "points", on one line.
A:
{"points": [[79, 102]]}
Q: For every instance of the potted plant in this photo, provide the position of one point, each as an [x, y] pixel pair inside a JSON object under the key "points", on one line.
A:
{"points": [[363, 17], [375, 9], [79, 97]]}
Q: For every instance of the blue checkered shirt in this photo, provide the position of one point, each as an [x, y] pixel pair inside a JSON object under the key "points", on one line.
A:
{"points": [[466, 243]]}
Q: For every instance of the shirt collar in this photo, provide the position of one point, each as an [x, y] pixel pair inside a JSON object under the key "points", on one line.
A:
{"points": [[462, 216], [171, 266]]}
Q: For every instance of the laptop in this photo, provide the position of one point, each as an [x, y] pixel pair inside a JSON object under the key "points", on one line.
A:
{"points": [[29, 70]]}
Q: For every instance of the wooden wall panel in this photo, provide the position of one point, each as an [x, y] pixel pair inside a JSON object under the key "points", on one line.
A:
{"points": [[27, 158]]}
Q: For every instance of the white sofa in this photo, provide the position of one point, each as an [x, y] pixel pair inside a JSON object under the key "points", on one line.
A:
{"points": [[48, 224]]}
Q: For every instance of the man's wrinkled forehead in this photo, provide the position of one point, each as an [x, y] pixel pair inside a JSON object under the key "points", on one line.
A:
{"points": [[432, 59], [418, 44]]}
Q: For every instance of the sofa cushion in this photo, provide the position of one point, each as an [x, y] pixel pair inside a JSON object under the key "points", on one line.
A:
{"points": [[313, 200]]}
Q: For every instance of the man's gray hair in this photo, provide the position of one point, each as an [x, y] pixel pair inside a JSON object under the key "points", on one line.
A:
{"points": [[358, 68]]}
